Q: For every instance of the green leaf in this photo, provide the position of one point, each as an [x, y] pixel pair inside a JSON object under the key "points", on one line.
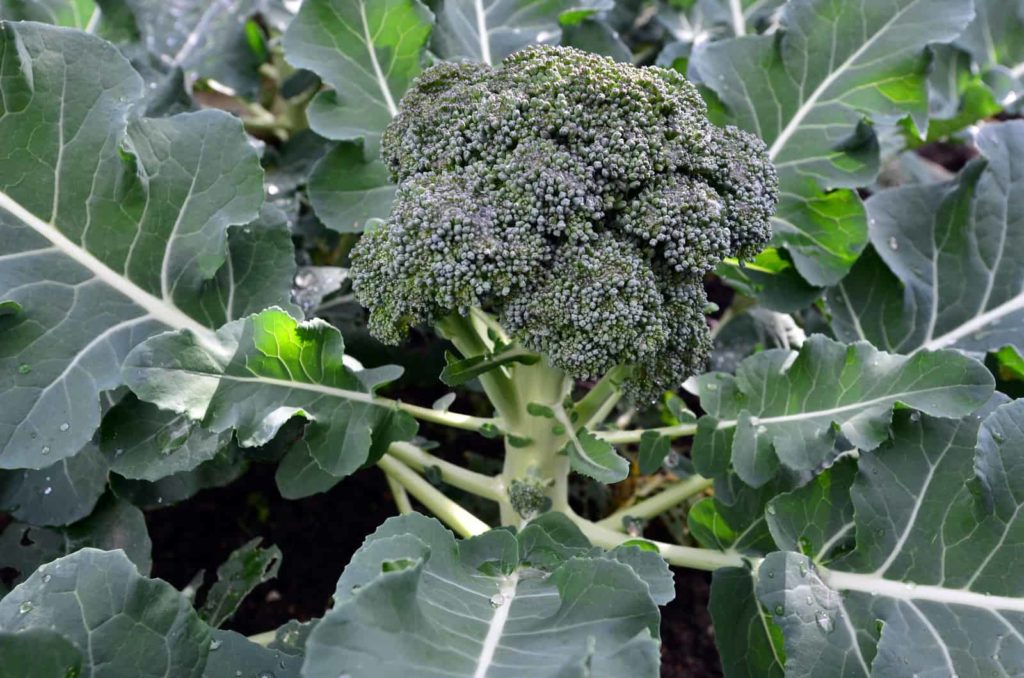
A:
{"points": [[114, 524], [593, 457], [595, 35], [247, 567], [817, 519], [113, 228], [368, 51], [56, 495], [127, 626], [944, 273], [38, 653], [748, 641], [143, 442], [490, 31], [414, 601], [459, 371], [232, 654], [654, 447], [787, 409], [929, 588], [346, 189], [262, 371], [208, 39], [993, 39], [70, 13], [735, 519], [772, 280], [223, 469], [806, 91]]}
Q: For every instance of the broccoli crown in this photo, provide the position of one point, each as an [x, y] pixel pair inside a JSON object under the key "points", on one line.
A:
{"points": [[580, 199]]}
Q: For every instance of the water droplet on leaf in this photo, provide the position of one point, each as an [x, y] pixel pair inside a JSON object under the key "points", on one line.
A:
{"points": [[24, 368], [497, 600], [65, 426], [214, 645], [825, 622], [25, 607], [779, 610], [45, 450], [894, 244], [47, 578]]}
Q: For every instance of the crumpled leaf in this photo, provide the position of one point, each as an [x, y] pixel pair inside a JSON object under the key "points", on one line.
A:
{"points": [[247, 567], [806, 91], [788, 409], [414, 601]]}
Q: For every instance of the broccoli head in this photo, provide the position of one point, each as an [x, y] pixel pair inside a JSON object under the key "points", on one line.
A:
{"points": [[579, 199]]}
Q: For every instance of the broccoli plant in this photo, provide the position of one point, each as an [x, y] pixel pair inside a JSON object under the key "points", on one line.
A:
{"points": [[698, 252]]}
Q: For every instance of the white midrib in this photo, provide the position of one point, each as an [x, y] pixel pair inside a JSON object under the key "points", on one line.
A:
{"points": [[507, 591], [739, 22], [381, 80], [814, 414], [481, 29], [976, 324], [878, 586], [157, 308], [192, 39], [808, 105]]}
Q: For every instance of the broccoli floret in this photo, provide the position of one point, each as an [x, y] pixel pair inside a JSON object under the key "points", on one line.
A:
{"points": [[579, 199]]}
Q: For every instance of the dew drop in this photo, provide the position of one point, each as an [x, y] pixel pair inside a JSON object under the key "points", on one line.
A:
{"points": [[272, 189], [810, 600], [214, 645], [24, 368], [712, 387], [45, 450], [47, 491], [267, 674], [771, 509], [497, 600], [65, 426], [998, 437], [771, 574], [118, 452], [47, 578], [779, 610], [238, 673], [761, 430], [894, 244], [25, 607], [825, 622], [803, 570]]}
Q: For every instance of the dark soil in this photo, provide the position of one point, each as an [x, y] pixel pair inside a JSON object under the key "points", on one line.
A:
{"points": [[319, 534]]}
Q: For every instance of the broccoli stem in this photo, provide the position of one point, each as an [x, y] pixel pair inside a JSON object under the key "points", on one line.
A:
{"points": [[659, 503], [453, 474], [448, 510], [466, 337], [531, 445], [634, 435], [594, 407]]}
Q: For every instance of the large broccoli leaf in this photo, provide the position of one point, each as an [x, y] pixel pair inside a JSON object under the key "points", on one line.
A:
{"points": [[260, 372], [71, 13], [806, 92], [125, 625], [113, 231], [39, 653], [490, 30], [944, 271], [993, 40], [931, 587], [542, 603], [789, 409], [369, 51]]}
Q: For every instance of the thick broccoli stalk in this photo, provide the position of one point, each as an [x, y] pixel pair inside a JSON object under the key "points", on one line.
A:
{"points": [[579, 199]]}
